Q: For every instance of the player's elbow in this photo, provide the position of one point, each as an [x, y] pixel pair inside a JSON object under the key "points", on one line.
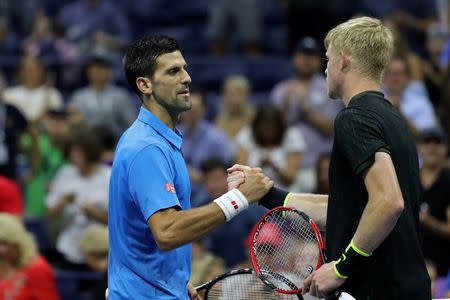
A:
{"points": [[397, 205], [166, 241]]}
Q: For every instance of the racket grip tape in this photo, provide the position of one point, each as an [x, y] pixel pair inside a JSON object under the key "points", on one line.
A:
{"points": [[273, 198], [350, 262]]}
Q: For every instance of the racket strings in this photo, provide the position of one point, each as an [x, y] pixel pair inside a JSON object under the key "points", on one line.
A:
{"points": [[244, 287], [286, 250]]}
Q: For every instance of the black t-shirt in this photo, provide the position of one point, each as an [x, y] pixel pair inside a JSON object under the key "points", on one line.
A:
{"points": [[396, 270], [12, 124], [435, 246]]}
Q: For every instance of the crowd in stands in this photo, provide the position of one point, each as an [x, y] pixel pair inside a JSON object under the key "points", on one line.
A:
{"points": [[259, 98]]}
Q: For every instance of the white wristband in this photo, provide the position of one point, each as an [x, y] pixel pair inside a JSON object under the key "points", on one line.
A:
{"points": [[232, 203]]}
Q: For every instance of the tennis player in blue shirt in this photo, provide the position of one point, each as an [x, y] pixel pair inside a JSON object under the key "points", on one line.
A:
{"points": [[150, 221]]}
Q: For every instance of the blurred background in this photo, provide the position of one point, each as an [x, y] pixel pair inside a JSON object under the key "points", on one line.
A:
{"points": [[259, 98]]}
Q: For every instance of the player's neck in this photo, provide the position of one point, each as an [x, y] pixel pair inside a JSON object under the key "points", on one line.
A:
{"points": [[356, 85], [162, 114]]}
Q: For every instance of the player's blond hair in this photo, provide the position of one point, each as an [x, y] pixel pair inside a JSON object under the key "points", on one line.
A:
{"points": [[367, 42]]}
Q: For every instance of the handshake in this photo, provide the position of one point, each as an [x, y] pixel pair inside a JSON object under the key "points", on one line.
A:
{"points": [[251, 182]]}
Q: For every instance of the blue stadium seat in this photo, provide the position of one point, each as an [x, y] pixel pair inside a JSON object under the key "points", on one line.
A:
{"points": [[275, 39], [190, 38], [38, 227], [209, 72], [260, 98], [266, 71], [68, 283]]}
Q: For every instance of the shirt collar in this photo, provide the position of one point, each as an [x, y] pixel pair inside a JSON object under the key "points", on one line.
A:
{"points": [[358, 96], [173, 137]]}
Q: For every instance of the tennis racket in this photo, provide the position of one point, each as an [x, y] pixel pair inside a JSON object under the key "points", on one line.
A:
{"points": [[241, 284], [286, 248]]}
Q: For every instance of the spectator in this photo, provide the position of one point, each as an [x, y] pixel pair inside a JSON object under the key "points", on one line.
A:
{"points": [[408, 96], [236, 111], [205, 265], [431, 269], [246, 16], [435, 213], [434, 77], [24, 274], [52, 141], [269, 144], [94, 246], [108, 144], [9, 48], [201, 140], [80, 193], [33, 96], [402, 48], [233, 232], [322, 166], [303, 100], [12, 125], [11, 201], [95, 23], [413, 17], [47, 41], [101, 103], [40, 41]]}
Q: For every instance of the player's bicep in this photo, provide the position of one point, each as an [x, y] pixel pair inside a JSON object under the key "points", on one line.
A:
{"points": [[151, 182], [381, 180]]}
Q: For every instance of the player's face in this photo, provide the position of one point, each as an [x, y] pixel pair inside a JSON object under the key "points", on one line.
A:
{"points": [[170, 83], [332, 73]]}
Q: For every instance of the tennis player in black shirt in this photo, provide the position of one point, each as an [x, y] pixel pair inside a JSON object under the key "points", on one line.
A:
{"points": [[372, 211]]}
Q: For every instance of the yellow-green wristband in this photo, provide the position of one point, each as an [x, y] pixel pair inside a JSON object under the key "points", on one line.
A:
{"points": [[338, 274], [351, 261]]}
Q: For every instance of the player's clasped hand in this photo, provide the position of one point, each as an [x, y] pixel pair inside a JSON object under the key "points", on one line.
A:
{"points": [[251, 182], [236, 176], [322, 281]]}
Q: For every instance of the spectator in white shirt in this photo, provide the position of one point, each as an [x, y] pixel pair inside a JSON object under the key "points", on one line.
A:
{"points": [[80, 194], [268, 143], [33, 96]]}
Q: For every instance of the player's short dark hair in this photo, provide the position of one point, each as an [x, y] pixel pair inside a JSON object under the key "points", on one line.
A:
{"points": [[140, 57]]}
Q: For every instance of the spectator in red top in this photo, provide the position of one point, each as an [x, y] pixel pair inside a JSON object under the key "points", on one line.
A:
{"points": [[24, 274], [11, 201]]}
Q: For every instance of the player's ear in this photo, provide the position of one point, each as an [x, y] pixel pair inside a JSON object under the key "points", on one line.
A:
{"points": [[344, 61], [144, 85]]}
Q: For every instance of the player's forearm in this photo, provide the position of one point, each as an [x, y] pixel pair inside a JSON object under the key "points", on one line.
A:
{"points": [[184, 226], [314, 205], [377, 221]]}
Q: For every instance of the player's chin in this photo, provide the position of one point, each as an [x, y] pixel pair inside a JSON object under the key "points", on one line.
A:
{"points": [[184, 104]]}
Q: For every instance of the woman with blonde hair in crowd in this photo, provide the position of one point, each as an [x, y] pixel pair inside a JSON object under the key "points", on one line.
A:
{"points": [[236, 111], [24, 274]]}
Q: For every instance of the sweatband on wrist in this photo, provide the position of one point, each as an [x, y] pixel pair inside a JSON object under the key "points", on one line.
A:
{"points": [[274, 198], [232, 203], [350, 262]]}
